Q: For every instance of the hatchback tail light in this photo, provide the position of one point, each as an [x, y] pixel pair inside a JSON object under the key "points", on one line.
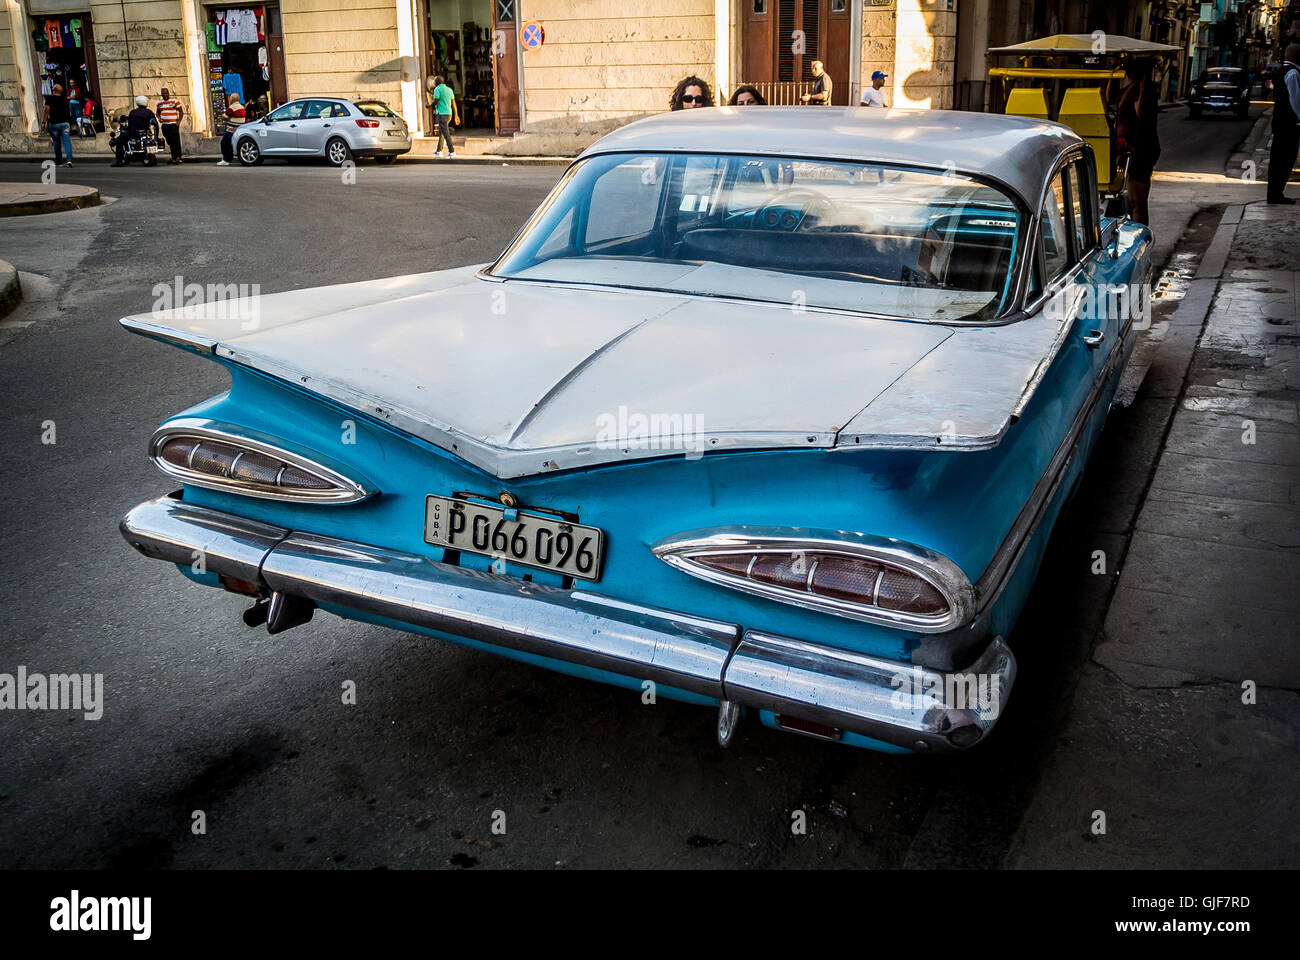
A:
{"points": [[852, 575], [367, 123], [220, 457]]}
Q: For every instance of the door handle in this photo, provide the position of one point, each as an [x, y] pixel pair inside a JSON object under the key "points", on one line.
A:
{"points": [[324, 124], [1094, 339]]}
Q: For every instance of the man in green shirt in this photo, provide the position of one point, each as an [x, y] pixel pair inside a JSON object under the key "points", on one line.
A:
{"points": [[445, 112]]}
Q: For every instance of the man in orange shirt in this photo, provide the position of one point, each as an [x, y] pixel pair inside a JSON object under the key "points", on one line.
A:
{"points": [[170, 114]]}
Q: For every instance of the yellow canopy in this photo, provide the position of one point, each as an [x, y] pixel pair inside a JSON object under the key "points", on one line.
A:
{"points": [[1057, 73], [1082, 43]]}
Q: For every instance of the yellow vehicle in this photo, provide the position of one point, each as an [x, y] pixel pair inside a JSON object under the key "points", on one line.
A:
{"points": [[1074, 79]]}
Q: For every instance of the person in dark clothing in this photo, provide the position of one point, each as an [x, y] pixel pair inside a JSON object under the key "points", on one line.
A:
{"points": [[822, 85], [1286, 125], [58, 120], [1135, 129], [139, 121]]}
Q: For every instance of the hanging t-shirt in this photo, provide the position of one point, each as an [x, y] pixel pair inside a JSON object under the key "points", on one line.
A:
{"points": [[75, 25], [233, 83], [65, 31], [234, 23], [211, 30], [221, 27], [40, 42], [53, 35], [247, 26]]}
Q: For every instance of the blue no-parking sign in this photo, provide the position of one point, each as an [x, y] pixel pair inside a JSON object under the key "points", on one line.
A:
{"points": [[532, 36]]}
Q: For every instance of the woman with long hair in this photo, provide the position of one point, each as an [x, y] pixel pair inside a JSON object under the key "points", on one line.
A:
{"points": [[689, 93], [1135, 129], [746, 96]]}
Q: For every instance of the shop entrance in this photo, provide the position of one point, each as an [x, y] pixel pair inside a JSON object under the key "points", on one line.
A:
{"points": [[456, 43], [63, 52], [245, 55]]}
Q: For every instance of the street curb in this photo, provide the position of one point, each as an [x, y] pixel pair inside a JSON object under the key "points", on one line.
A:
{"points": [[481, 159], [11, 290], [86, 197]]}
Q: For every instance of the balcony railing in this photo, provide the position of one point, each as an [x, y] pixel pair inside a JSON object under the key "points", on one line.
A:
{"points": [[781, 92]]}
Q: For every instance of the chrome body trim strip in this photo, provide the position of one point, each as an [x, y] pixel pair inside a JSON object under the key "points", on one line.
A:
{"points": [[852, 691], [989, 586]]}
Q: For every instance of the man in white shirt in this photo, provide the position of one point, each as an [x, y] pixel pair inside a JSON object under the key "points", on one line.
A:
{"points": [[871, 96]]}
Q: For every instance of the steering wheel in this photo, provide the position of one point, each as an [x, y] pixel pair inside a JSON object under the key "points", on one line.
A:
{"points": [[791, 209]]}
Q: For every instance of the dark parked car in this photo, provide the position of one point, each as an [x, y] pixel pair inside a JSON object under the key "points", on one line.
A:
{"points": [[1221, 88]]}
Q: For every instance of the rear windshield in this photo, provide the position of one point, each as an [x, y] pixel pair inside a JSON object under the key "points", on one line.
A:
{"points": [[375, 110], [880, 239]]}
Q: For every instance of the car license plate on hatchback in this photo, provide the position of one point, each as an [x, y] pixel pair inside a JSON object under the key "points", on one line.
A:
{"points": [[532, 539]]}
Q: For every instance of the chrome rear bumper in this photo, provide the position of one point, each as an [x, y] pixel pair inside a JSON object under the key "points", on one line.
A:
{"points": [[891, 701]]}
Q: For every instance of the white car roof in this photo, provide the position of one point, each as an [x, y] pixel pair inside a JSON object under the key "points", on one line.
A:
{"points": [[1016, 151]]}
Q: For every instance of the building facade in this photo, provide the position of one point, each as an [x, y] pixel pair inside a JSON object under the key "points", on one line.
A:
{"points": [[551, 74]]}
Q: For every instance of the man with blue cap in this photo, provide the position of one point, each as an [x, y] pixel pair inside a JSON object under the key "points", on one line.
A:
{"points": [[871, 96]]}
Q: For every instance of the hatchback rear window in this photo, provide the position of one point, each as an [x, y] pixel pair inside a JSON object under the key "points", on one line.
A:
{"points": [[375, 110]]}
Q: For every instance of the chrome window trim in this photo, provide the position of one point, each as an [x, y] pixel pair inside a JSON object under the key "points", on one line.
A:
{"points": [[680, 550], [346, 489]]}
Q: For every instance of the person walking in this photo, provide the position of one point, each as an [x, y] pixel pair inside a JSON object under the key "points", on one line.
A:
{"points": [[445, 113], [58, 121], [1135, 129], [170, 114], [822, 85], [871, 96], [1286, 125], [690, 92], [234, 120]]}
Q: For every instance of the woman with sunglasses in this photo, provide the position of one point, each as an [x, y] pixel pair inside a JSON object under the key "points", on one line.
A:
{"points": [[690, 92]]}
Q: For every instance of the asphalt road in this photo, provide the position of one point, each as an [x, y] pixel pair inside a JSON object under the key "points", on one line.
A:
{"points": [[203, 713]]}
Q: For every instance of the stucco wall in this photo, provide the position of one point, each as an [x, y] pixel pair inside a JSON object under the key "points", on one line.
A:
{"points": [[139, 54], [10, 104], [342, 48], [603, 60]]}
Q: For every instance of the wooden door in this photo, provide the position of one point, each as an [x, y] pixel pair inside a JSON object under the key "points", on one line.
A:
{"points": [[781, 38], [275, 58], [835, 49], [505, 65], [92, 71]]}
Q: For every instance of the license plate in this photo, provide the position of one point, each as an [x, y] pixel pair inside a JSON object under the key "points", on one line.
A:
{"points": [[532, 539], [152, 149]]}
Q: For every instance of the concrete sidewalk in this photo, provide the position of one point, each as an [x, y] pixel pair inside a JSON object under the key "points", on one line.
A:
{"points": [[24, 199], [1184, 729]]}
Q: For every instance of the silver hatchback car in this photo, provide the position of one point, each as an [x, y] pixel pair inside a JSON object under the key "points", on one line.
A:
{"points": [[335, 129]]}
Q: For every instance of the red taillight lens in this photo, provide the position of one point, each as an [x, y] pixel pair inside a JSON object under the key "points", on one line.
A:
{"points": [[832, 576], [239, 468], [367, 123]]}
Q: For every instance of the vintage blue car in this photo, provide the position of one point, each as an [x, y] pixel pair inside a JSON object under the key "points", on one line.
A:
{"points": [[773, 409]]}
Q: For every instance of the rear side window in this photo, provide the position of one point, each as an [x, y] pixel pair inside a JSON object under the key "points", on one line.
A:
{"points": [[375, 110], [1056, 237]]}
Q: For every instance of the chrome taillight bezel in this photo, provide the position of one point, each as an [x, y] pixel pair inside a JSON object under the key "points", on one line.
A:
{"points": [[682, 551], [343, 489]]}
